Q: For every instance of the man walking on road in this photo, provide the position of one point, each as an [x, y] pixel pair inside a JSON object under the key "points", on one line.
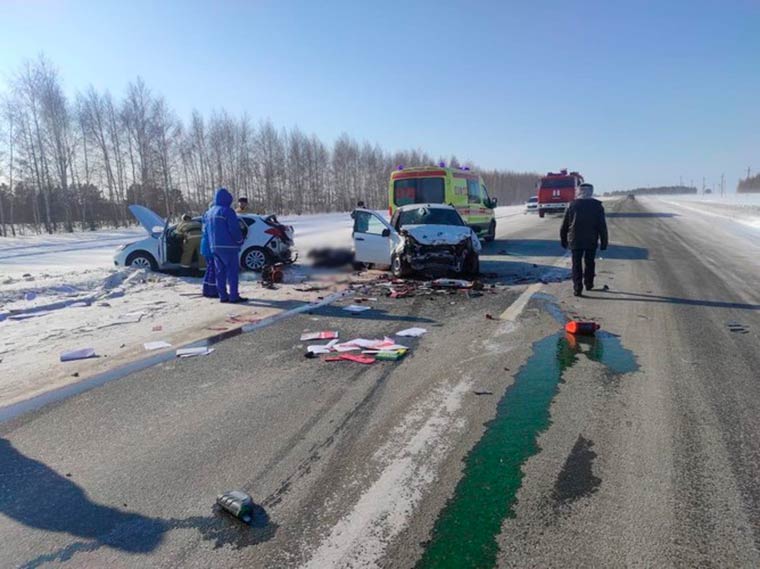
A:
{"points": [[583, 229], [225, 239]]}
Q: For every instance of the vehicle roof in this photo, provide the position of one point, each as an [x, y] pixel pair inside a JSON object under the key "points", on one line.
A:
{"points": [[413, 206], [447, 169]]}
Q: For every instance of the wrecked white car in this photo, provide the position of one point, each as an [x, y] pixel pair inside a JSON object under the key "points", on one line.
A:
{"points": [[424, 238]]}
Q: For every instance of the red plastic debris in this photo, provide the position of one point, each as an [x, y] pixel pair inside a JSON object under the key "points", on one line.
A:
{"points": [[581, 327]]}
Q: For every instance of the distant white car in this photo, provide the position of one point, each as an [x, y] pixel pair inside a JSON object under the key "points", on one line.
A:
{"points": [[531, 206], [418, 238], [266, 241]]}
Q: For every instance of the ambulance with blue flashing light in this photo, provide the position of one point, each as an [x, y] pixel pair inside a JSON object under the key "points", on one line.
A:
{"points": [[458, 187]]}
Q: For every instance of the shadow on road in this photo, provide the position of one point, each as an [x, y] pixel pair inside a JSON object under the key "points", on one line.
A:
{"points": [[552, 248], [35, 495], [642, 297], [520, 272], [635, 214]]}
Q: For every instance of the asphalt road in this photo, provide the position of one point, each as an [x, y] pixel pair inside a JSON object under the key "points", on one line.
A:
{"points": [[494, 442]]}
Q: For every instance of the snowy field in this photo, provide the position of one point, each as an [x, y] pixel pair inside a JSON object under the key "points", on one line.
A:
{"points": [[62, 292]]}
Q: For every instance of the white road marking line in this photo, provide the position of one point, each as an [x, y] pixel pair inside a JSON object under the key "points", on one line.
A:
{"points": [[382, 512], [514, 310]]}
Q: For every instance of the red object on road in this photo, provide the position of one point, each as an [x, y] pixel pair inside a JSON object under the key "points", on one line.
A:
{"points": [[360, 359], [580, 327]]}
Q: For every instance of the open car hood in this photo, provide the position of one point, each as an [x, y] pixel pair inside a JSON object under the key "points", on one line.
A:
{"points": [[149, 219], [438, 234]]}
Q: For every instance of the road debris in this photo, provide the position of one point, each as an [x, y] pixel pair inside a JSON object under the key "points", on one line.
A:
{"points": [[390, 356], [451, 283], [412, 332], [238, 504], [356, 308], [325, 335], [358, 358], [191, 352], [159, 345], [581, 327], [80, 354]]}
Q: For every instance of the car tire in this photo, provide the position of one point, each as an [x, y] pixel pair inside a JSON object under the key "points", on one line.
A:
{"points": [[491, 235], [540, 214], [142, 260], [398, 267], [255, 259]]}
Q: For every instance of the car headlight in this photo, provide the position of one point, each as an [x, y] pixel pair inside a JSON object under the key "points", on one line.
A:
{"points": [[122, 247]]}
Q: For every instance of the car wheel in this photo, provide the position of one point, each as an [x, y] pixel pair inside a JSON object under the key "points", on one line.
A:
{"points": [[398, 267], [255, 259], [491, 235], [142, 260]]}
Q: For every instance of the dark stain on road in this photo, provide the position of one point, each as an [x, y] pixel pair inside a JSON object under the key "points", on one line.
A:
{"points": [[465, 532], [576, 479]]}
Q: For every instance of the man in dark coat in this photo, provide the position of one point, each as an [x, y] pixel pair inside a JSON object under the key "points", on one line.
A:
{"points": [[225, 239], [583, 229]]}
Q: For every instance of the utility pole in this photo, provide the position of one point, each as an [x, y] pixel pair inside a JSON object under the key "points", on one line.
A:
{"points": [[680, 181], [703, 185], [749, 170], [722, 184]]}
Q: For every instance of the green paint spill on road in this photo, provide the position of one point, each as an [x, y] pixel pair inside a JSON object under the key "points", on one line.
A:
{"points": [[465, 531]]}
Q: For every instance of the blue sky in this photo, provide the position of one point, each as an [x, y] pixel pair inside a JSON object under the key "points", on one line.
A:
{"points": [[629, 93]]}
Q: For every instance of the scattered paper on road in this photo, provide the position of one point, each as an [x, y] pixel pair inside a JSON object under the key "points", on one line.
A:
{"points": [[156, 345], [325, 335], [412, 332], [80, 354], [356, 308], [190, 352]]}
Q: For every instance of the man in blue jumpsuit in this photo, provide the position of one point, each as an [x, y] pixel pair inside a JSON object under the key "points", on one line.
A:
{"points": [[225, 239]]}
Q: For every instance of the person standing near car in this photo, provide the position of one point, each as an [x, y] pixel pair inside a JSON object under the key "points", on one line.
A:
{"points": [[243, 206], [189, 232], [584, 228], [209, 277], [225, 239]]}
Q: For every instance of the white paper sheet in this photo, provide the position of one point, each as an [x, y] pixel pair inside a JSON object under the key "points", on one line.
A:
{"points": [[159, 345], [412, 332]]}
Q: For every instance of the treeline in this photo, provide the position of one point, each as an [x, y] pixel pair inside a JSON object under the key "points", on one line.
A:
{"points": [[658, 191], [749, 185], [77, 163]]}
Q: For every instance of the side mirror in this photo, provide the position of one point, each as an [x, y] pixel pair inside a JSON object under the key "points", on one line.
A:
{"points": [[157, 229], [386, 232]]}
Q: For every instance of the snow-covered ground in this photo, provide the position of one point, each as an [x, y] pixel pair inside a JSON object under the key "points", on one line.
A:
{"points": [[62, 292], [741, 208]]}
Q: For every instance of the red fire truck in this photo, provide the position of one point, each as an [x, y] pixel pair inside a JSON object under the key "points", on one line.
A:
{"points": [[556, 191]]}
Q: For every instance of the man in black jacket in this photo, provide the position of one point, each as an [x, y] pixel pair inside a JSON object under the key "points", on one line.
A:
{"points": [[583, 228]]}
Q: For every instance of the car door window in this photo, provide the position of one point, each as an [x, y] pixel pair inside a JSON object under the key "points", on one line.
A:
{"points": [[365, 222], [473, 191]]}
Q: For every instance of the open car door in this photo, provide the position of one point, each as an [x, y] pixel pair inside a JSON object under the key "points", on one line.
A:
{"points": [[374, 238]]}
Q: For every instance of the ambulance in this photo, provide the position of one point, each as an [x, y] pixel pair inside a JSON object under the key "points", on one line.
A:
{"points": [[458, 187]]}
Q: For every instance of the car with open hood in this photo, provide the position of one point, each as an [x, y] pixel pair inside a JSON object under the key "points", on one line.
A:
{"points": [[265, 241], [422, 238]]}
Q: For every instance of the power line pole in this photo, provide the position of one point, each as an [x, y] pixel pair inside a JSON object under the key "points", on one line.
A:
{"points": [[722, 184], [703, 185]]}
